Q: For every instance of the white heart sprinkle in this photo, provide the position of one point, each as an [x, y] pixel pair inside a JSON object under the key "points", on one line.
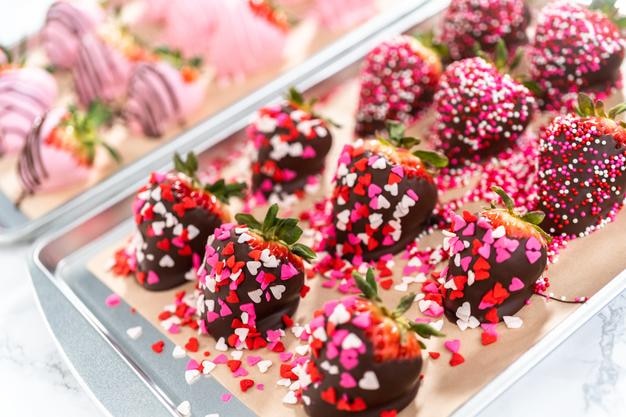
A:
{"points": [[302, 350], [499, 232], [242, 333], [339, 315], [255, 295], [156, 194], [178, 230], [184, 409], [290, 398], [513, 322], [253, 266], [264, 365], [192, 231], [207, 367], [351, 341], [166, 262], [464, 311], [159, 208], [178, 352], [369, 381], [134, 332], [192, 376], [221, 345], [277, 291], [379, 164]]}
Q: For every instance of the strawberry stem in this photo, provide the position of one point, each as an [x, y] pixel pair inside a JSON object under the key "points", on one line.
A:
{"points": [[369, 290], [427, 39], [220, 189], [176, 58], [275, 229], [296, 98], [588, 108], [533, 218], [396, 137]]}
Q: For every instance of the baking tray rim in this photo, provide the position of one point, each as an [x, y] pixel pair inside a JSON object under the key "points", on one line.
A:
{"points": [[185, 141]]}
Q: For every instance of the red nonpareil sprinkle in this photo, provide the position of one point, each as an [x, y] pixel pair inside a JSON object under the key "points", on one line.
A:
{"points": [[158, 346], [246, 384], [192, 344], [456, 359]]}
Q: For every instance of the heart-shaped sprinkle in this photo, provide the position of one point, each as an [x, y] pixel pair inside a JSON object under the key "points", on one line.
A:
{"points": [[184, 409], [369, 381], [516, 284], [347, 381], [453, 345], [134, 332]]}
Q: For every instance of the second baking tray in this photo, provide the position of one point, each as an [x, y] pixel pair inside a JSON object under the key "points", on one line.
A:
{"points": [[16, 226]]}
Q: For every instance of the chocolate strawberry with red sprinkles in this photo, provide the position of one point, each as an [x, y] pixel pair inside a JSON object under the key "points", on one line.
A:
{"points": [[175, 213], [384, 195], [496, 256], [582, 169], [365, 358], [470, 23], [574, 50], [252, 279], [398, 81], [291, 143], [481, 111]]}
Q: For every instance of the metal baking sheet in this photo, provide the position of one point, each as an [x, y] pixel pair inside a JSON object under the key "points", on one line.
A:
{"points": [[16, 226], [127, 377]]}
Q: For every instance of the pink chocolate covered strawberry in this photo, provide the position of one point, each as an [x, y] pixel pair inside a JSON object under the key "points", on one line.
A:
{"points": [[398, 81], [384, 195], [576, 49], [291, 143], [252, 278], [480, 110], [366, 359], [582, 169], [175, 214], [164, 92], [60, 150], [496, 256], [467, 24]]}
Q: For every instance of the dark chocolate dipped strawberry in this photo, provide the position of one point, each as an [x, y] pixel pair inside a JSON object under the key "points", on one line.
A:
{"points": [[574, 50], [61, 148], [398, 80], [582, 169], [481, 111], [496, 256], [384, 195], [175, 214], [252, 277], [291, 142], [470, 23], [365, 360]]}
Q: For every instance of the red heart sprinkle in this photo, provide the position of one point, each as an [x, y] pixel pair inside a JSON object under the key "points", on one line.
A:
{"points": [[456, 359], [488, 338], [434, 355], [158, 346], [246, 384], [389, 413], [233, 364], [192, 345]]}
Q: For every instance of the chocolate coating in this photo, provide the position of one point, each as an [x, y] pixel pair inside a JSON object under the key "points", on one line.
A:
{"points": [[291, 151], [229, 290], [172, 245], [501, 271], [353, 199]]}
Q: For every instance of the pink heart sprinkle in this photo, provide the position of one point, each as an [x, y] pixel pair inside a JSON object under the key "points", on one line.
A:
{"points": [[308, 153], [373, 190], [331, 351], [153, 278], [516, 284], [533, 244], [226, 397], [192, 365], [363, 320], [469, 230], [465, 262], [113, 300], [348, 358], [502, 255], [458, 223], [285, 356], [533, 256], [453, 345], [241, 371], [347, 381], [220, 359], [253, 360], [485, 251]]}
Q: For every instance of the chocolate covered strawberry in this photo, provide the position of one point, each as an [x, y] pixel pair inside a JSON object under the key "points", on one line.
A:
{"points": [[496, 256], [384, 195], [582, 169], [252, 278], [365, 359], [291, 143], [575, 49], [480, 110], [175, 214], [470, 23], [61, 148], [398, 81]]}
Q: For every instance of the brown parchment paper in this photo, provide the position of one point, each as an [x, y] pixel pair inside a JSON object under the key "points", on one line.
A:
{"points": [[584, 267], [303, 41]]}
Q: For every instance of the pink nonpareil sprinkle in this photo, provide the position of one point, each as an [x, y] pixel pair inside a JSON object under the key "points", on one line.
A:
{"points": [[112, 300]]}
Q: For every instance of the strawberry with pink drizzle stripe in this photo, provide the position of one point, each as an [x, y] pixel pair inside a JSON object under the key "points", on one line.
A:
{"points": [[291, 143], [384, 195], [480, 111], [470, 23], [252, 278], [575, 50], [398, 81], [164, 92], [66, 24], [365, 358], [582, 169], [175, 214], [61, 148], [496, 257], [26, 93]]}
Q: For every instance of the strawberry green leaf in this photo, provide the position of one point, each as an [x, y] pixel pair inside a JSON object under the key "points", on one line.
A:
{"points": [[534, 217], [371, 279], [585, 106], [223, 191], [517, 60], [617, 110], [303, 251], [294, 96], [270, 218], [533, 87], [248, 220], [425, 330], [189, 167], [427, 39], [434, 159], [599, 109], [506, 199], [395, 130], [115, 155], [8, 53], [404, 305], [366, 289], [501, 55]]}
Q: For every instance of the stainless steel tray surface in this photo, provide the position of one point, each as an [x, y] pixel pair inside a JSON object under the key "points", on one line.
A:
{"points": [[124, 376], [15, 226]]}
